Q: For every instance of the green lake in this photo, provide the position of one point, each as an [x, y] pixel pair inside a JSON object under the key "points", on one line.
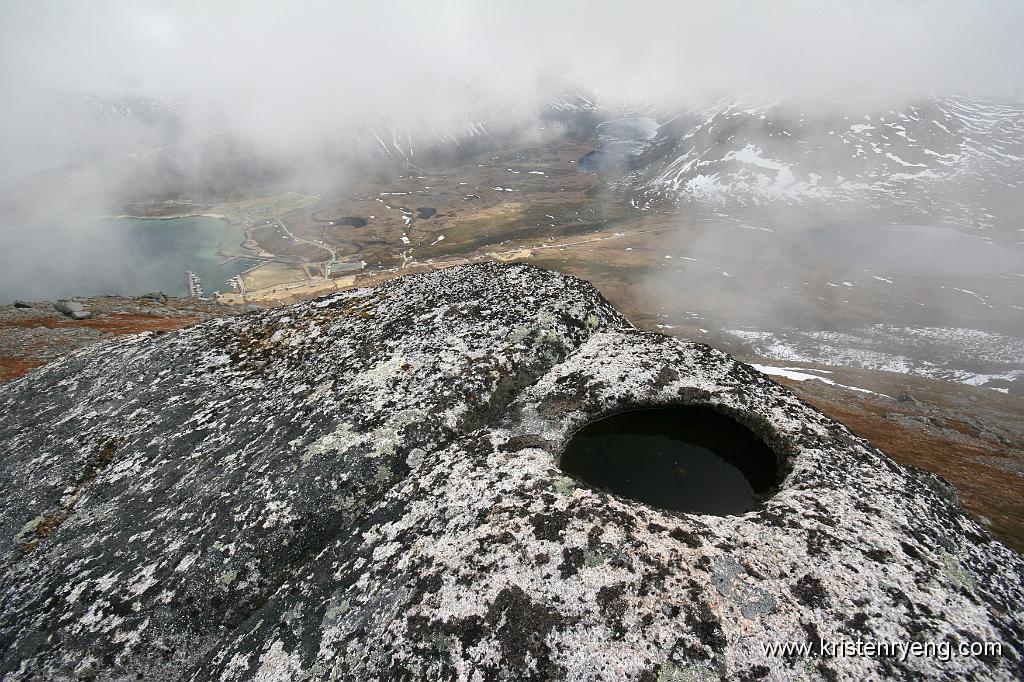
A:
{"points": [[124, 256]]}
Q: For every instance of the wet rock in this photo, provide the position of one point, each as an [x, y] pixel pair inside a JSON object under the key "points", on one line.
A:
{"points": [[155, 296], [22, 304], [366, 486]]}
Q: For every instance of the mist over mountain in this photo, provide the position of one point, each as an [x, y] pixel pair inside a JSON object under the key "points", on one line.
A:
{"points": [[302, 87], [465, 340], [823, 123]]}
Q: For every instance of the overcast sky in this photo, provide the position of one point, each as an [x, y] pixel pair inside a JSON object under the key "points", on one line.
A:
{"points": [[286, 75]]}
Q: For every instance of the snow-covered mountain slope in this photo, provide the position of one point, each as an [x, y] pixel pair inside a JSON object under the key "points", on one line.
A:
{"points": [[970, 356], [958, 158]]}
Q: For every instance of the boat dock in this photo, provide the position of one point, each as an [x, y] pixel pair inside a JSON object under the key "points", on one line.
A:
{"points": [[195, 285]]}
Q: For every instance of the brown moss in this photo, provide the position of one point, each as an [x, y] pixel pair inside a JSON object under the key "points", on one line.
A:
{"points": [[112, 322], [12, 368], [984, 488], [17, 361]]}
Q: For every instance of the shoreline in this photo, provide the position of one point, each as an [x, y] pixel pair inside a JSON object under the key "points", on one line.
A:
{"points": [[177, 216], [221, 253]]}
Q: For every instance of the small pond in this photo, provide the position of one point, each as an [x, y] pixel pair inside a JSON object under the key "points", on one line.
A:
{"points": [[349, 221], [619, 141]]}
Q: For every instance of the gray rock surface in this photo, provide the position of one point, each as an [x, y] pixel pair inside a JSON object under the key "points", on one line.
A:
{"points": [[73, 309], [366, 486]]}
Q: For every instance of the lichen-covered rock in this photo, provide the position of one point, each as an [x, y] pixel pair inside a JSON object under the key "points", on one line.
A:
{"points": [[366, 486]]}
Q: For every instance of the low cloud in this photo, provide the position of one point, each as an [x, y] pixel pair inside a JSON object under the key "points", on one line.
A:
{"points": [[180, 98], [290, 79]]}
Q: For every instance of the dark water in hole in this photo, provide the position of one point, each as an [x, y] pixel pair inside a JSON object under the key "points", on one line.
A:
{"points": [[426, 212], [689, 459]]}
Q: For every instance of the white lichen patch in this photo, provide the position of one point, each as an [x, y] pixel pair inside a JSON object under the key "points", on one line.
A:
{"points": [[337, 441], [143, 580]]}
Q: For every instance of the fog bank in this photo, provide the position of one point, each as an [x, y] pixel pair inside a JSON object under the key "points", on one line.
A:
{"points": [[87, 78]]}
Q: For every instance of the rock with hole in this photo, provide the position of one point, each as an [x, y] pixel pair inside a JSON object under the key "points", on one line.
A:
{"points": [[379, 484]]}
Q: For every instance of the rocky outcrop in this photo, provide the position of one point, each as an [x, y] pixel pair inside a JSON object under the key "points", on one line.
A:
{"points": [[366, 486], [73, 309]]}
